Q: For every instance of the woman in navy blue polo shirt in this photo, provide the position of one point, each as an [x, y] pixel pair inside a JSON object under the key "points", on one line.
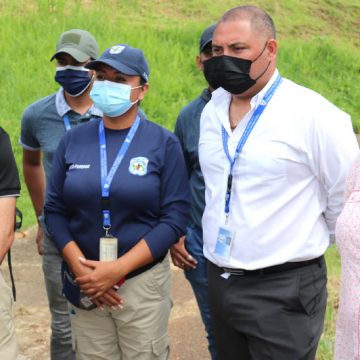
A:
{"points": [[117, 200]]}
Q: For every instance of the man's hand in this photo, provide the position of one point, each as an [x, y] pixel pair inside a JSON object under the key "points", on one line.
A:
{"points": [[180, 257], [39, 240]]}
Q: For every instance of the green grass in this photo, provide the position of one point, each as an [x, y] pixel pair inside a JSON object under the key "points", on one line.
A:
{"points": [[318, 47], [326, 346]]}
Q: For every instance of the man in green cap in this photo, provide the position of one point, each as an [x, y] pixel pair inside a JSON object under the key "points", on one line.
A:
{"points": [[43, 124]]}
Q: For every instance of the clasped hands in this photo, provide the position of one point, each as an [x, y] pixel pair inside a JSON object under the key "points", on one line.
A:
{"points": [[99, 280]]}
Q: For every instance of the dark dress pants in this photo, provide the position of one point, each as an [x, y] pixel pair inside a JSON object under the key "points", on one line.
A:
{"points": [[277, 316]]}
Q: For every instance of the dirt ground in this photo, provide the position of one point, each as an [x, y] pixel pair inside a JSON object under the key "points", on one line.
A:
{"points": [[187, 336]]}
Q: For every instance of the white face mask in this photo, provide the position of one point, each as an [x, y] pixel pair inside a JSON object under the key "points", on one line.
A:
{"points": [[113, 99]]}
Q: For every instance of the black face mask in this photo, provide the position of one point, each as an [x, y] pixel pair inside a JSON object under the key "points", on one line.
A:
{"points": [[231, 73], [208, 74]]}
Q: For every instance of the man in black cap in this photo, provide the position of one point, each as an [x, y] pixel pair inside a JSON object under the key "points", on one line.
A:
{"points": [[187, 254], [43, 125]]}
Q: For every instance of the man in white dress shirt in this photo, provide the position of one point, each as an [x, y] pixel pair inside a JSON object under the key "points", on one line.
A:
{"points": [[274, 156]]}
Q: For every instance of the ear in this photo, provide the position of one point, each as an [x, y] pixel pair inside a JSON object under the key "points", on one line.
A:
{"points": [[272, 48], [143, 91], [92, 74], [199, 63]]}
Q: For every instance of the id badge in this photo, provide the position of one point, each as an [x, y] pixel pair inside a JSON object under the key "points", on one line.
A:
{"points": [[224, 241], [108, 248]]}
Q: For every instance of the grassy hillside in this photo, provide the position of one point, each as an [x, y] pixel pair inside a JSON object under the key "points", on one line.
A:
{"points": [[319, 48]]}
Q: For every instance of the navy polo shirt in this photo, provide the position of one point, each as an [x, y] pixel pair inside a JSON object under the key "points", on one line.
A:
{"points": [[187, 129]]}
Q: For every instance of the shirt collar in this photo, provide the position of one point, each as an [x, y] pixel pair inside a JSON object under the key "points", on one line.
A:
{"points": [[206, 95], [221, 100], [255, 101], [62, 107]]}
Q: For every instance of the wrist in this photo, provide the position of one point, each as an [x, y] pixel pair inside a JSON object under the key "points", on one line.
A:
{"points": [[79, 269], [121, 268], [39, 218]]}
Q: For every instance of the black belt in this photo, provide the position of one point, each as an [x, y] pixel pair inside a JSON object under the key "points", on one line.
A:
{"points": [[144, 268], [275, 268]]}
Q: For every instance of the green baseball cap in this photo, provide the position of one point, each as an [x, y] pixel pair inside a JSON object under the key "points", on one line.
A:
{"points": [[80, 44]]}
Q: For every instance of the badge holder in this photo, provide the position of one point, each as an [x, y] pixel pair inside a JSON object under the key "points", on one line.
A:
{"points": [[108, 248], [224, 242], [225, 236], [108, 244]]}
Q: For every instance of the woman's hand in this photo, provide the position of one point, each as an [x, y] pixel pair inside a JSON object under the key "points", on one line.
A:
{"points": [[110, 298], [101, 280], [72, 253]]}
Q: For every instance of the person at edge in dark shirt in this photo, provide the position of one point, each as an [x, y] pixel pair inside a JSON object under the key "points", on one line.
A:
{"points": [[187, 253]]}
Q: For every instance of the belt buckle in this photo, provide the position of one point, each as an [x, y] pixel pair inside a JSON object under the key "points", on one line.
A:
{"points": [[236, 272], [240, 272]]}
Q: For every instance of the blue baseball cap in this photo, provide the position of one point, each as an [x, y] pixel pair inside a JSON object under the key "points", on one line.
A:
{"points": [[125, 59], [206, 36]]}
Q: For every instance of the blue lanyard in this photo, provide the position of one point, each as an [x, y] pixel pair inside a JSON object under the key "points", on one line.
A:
{"points": [[249, 127], [106, 178], [66, 123]]}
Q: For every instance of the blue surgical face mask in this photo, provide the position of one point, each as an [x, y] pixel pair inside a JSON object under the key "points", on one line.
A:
{"points": [[74, 79], [113, 99]]}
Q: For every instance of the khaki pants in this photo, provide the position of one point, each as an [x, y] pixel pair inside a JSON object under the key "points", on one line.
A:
{"points": [[8, 342], [138, 331]]}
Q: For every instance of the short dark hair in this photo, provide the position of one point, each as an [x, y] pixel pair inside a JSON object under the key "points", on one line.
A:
{"points": [[142, 81], [259, 19], [207, 48]]}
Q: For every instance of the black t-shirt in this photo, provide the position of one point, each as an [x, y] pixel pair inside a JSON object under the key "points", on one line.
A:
{"points": [[9, 176]]}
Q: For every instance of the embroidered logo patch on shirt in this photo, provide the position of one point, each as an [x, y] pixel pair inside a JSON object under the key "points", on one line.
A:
{"points": [[79, 166], [138, 166]]}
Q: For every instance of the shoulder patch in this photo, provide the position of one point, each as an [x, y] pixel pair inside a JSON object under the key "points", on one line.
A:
{"points": [[138, 166]]}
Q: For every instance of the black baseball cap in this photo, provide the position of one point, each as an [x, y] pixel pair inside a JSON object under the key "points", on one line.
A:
{"points": [[207, 36]]}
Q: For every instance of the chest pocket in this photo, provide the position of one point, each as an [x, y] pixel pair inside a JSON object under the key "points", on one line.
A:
{"points": [[268, 159]]}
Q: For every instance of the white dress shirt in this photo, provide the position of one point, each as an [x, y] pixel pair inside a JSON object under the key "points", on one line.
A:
{"points": [[288, 181]]}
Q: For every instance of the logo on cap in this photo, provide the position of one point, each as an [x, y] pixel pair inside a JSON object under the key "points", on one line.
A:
{"points": [[116, 49]]}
